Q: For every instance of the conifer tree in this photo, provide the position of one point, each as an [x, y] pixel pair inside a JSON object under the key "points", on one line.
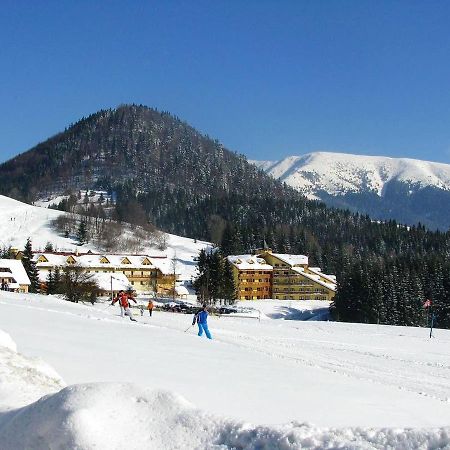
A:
{"points": [[82, 233], [30, 267], [228, 293]]}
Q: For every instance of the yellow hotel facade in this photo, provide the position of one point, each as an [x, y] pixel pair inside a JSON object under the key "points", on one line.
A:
{"points": [[280, 276]]}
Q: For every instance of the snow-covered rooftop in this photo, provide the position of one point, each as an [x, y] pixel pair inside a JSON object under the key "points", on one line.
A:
{"points": [[181, 290], [316, 278], [119, 281], [117, 261], [249, 262], [15, 267], [292, 260], [318, 271]]}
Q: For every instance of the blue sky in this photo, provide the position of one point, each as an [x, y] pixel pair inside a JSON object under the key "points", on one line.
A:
{"points": [[266, 78]]}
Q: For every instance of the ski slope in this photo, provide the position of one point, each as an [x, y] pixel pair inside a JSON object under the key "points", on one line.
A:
{"points": [[271, 383], [19, 221]]}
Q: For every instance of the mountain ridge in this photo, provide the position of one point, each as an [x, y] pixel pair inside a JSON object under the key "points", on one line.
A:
{"points": [[349, 181]]}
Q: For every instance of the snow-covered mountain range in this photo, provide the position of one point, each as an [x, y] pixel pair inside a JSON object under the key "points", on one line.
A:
{"points": [[388, 188]]}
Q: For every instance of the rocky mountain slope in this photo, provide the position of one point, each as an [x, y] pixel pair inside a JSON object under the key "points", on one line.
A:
{"points": [[408, 190]]}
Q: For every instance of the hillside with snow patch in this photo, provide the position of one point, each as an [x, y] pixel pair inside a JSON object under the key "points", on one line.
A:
{"points": [[18, 221], [376, 185]]}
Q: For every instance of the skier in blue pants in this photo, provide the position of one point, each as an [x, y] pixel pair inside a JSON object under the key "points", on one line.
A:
{"points": [[201, 319]]}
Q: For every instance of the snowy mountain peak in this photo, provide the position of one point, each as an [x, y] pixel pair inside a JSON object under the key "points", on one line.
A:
{"points": [[340, 173]]}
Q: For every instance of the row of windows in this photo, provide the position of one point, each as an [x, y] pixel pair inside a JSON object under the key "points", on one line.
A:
{"points": [[305, 290], [251, 280], [125, 272], [255, 290], [255, 272], [302, 297]]}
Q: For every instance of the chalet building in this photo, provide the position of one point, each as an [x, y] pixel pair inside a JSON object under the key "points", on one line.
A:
{"points": [[293, 279], [13, 276], [144, 273], [252, 277], [280, 276]]}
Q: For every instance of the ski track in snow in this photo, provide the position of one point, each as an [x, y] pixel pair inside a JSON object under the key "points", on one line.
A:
{"points": [[294, 366], [338, 357]]}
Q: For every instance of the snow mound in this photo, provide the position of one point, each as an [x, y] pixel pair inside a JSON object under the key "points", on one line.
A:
{"points": [[22, 379], [7, 342], [117, 416]]}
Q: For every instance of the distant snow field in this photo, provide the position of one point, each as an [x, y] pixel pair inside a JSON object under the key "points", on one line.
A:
{"points": [[259, 384]]}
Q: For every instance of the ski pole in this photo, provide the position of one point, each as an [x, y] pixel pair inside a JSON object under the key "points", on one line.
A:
{"points": [[188, 328]]}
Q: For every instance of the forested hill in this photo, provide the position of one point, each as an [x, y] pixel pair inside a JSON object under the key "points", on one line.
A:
{"points": [[164, 171], [137, 146]]}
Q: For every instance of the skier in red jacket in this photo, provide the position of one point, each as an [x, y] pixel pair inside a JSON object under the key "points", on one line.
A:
{"points": [[123, 299]]}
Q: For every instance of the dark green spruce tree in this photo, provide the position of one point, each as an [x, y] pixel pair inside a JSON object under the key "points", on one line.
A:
{"points": [[30, 267], [82, 235]]}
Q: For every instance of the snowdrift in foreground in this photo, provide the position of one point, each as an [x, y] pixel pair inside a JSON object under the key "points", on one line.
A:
{"points": [[23, 380], [125, 416], [117, 416]]}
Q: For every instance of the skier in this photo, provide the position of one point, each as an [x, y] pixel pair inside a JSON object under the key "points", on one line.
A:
{"points": [[201, 319], [150, 307], [123, 298]]}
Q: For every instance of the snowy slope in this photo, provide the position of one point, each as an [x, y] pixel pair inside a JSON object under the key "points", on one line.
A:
{"points": [[339, 173], [272, 384], [18, 221]]}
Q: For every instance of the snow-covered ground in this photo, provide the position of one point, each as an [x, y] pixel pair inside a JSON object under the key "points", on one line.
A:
{"points": [[267, 384], [284, 309], [18, 221]]}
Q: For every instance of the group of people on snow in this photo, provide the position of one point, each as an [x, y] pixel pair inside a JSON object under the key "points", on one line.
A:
{"points": [[200, 318], [124, 302]]}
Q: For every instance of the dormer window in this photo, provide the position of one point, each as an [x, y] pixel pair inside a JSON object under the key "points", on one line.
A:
{"points": [[104, 260], [41, 259], [71, 260], [125, 261], [146, 262]]}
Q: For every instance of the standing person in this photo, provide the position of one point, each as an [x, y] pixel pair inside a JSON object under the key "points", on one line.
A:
{"points": [[124, 303], [201, 318], [150, 307]]}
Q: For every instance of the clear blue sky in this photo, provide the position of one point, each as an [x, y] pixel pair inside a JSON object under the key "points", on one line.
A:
{"points": [[266, 78]]}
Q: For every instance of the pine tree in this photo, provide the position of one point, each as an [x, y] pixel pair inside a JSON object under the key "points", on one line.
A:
{"points": [[82, 233], [228, 291], [30, 267], [50, 281], [57, 280]]}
